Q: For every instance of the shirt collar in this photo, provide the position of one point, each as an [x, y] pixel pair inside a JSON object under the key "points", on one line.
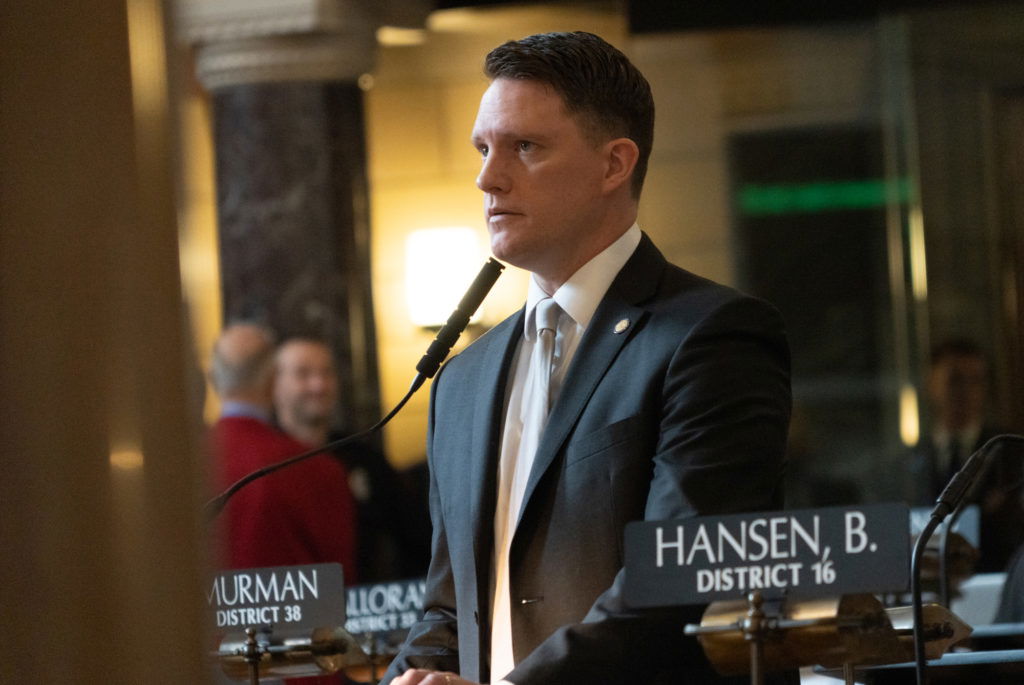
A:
{"points": [[582, 293], [233, 408]]}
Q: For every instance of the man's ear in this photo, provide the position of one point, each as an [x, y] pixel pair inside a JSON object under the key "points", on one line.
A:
{"points": [[621, 155]]}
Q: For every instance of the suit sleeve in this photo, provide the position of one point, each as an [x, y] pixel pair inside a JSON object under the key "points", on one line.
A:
{"points": [[721, 438], [432, 642]]}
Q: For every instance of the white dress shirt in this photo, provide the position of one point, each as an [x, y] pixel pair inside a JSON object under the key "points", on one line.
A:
{"points": [[578, 297]]}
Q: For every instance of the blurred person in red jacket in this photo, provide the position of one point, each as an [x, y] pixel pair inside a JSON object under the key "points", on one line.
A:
{"points": [[302, 514]]}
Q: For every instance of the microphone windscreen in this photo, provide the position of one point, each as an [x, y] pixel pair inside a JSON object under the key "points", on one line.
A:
{"points": [[457, 322]]}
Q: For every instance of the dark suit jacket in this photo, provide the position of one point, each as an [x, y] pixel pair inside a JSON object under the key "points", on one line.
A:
{"points": [[1011, 603], [682, 414]]}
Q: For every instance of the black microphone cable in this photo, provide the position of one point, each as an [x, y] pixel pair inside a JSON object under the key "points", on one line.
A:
{"points": [[426, 368], [949, 500]]}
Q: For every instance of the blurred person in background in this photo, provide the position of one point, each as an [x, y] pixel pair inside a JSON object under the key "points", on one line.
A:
{"points": [[393, 536], [957, 388], [303, 514]]}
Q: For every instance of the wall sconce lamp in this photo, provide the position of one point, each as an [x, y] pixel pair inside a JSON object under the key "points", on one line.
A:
{"points": [[440, 263]]}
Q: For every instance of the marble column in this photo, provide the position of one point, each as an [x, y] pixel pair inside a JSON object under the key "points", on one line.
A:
{"points": [[292, 200]]}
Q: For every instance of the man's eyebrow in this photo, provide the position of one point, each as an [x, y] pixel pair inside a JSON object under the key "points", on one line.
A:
{"points": [[536, 136]]}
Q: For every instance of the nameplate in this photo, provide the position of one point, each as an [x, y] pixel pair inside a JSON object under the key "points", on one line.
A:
{"points": [[308, 596], [803, 553], [382, 608]]}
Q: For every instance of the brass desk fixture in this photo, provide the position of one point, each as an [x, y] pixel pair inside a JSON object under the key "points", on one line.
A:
{"points": [[744, 637], [263, 653]]}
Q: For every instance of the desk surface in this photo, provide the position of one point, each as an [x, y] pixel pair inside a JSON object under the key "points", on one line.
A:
{"points": [[997, 636], [1002, 667]]}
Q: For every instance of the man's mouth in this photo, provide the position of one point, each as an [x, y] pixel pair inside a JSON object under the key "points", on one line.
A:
{"points": [[499, 211]]}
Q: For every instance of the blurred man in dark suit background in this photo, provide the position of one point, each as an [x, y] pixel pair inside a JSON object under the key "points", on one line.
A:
{"points": [[958, 386]]}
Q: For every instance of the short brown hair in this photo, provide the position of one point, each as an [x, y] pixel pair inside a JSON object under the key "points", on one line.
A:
{"points": [[595, 80]]}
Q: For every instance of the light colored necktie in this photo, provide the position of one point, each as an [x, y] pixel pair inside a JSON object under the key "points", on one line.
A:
{"points": [[536, 398], [535, 408]]}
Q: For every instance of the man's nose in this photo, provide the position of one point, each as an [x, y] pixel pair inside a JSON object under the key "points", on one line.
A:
{"points": [[318, 382], [493, 176]]}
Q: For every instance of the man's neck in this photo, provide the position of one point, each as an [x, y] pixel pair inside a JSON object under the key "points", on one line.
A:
{"points": [[550, 282], [237, 407], [310, 435]]}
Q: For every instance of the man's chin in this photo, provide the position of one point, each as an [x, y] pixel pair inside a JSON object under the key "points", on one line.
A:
{"points": [[315, 419], [509, 252]]}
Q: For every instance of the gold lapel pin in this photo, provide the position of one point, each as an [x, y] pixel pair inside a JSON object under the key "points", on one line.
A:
{"points": [[621, 326]]}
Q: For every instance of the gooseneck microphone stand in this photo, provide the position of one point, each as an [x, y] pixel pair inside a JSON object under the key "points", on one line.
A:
{"points": [[948, 501], [943, 551], [426, 368]]}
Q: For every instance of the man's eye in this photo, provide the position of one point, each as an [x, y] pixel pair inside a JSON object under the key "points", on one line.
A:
{"points": [[482, 149], [524, 145]]}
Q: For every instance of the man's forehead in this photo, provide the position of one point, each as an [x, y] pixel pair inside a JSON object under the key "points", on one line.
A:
{"points": [[521, 107], [304, 352], [525, 83], [520, 95]]}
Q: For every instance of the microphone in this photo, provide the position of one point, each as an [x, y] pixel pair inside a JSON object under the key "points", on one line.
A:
{"points": [[459, 319], [948, 500], [962, 480], [426, 368]]}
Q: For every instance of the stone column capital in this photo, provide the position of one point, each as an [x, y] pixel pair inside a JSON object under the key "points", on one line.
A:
{"points": [[256, 41]]}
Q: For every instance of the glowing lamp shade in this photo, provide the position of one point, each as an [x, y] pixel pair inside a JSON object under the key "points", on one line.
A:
{"points": [[440, 263]]}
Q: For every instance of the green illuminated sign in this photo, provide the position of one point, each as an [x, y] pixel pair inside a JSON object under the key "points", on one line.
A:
{"points": [[825, 196]]}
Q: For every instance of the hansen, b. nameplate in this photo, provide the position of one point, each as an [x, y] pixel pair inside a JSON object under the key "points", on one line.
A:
{"points": [[802, 553]]}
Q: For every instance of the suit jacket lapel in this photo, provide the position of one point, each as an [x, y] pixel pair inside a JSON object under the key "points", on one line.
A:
{"points": [[636, 282]]}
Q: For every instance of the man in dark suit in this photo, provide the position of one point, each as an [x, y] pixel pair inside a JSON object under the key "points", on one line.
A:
{"points": [[625, 389], [957, 387]]}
